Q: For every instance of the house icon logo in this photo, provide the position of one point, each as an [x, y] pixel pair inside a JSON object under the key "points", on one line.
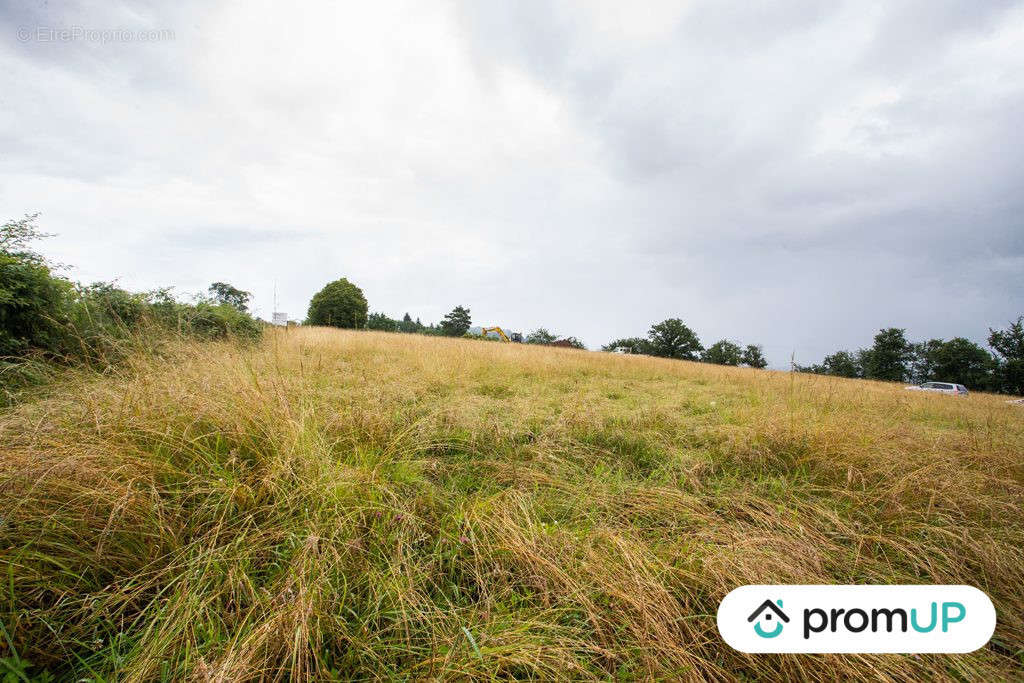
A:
{"points": [[767, 612]]}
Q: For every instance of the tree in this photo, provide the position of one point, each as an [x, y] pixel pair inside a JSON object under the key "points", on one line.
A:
{"points": [[338, 304], [922, 360], [540, 336], [961, 360], [635, 345], [753, 356], [456, 323], [223, 293], [723, 352], [889, 356], [381, 322], [574, 343], [673, 339], [842, 364], [1009, 344], [409, 325]]}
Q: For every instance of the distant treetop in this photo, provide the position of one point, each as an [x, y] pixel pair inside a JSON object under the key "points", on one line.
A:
{"points": [[338, 304]]}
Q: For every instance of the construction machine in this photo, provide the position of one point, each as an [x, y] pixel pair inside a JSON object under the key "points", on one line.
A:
{"points": [[515, 337]]}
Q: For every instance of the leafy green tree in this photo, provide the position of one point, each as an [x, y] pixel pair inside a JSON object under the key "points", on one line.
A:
{"points": [[407, 324], [922, 360], [633, 345], [889, 357], [753, 356], [673, 339], [223, 293], [1009, 344], [842, 364], [456, 323], [959, 360], [723, 352], [540, 336], [381, 322], [338, 304]]}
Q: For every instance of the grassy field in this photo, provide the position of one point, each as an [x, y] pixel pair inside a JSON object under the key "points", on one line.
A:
{"points": [[355, 505]]}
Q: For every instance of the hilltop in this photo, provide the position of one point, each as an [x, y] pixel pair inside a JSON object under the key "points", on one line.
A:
{"points": [[365, 505]]}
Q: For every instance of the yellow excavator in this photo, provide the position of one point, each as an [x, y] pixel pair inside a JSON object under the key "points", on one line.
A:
{"points": [[515, 337]]}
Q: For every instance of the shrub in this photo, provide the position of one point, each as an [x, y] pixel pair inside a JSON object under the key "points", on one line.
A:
{"points": [[219, 321], [46, 321], [31, 297], [31, 303]]}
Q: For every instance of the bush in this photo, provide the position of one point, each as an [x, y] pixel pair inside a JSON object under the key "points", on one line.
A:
{"points": [[46, 321], [103, 320], [219, 321], [571, 342], [31, 305], [31, 297]]}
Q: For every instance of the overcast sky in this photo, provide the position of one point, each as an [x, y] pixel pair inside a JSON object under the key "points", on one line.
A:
{"points": [[795, 174]]}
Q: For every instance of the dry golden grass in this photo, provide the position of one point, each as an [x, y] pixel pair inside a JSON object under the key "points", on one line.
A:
{"points": [[354, 505]]}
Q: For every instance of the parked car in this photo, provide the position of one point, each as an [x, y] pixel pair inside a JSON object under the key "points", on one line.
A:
{"points": [[941, 387]]}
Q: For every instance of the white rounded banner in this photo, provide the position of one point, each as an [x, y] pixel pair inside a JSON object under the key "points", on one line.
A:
{"points": [[868, 619]]}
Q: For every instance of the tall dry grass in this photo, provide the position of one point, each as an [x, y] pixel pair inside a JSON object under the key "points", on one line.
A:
{"points": [[342, 505]]}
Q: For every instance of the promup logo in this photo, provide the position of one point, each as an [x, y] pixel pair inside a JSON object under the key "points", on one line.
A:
{"points": [[856, 619], [765, 611]]}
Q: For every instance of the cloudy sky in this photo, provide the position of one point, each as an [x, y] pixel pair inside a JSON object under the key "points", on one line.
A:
{"points": [[796, 174]]}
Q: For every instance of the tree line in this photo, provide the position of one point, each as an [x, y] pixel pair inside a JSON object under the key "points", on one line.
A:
{"points": [[342, 303], [892, 357], [672, 338]]}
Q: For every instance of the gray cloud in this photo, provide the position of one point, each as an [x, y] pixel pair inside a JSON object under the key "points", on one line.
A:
{"points": [[797, 174]]}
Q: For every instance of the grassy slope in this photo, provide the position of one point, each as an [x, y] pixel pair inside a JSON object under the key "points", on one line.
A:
{"points": [[377, 506]]}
